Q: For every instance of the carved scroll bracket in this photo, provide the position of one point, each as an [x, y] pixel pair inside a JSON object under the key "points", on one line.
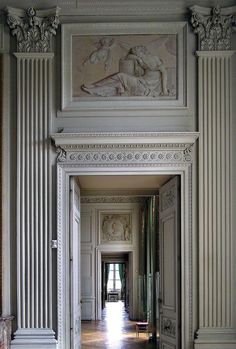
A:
{"points": [[214, 27], [61, 154], [33, 29], [188, 153]]}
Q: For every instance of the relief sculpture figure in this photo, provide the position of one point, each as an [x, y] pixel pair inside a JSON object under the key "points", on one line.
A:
{"points": [[116, 227], [102, 53], [140, 74]]}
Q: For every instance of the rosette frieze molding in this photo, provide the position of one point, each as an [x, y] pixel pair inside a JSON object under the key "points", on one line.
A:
{"points": [[32, 28], [214, 27]]}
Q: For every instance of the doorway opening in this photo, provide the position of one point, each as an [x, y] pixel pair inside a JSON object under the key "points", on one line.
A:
{"points": [[115, 279], [120, 221], [127, 154]]}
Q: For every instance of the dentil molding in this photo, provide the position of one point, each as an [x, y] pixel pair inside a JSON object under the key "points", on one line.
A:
{"points": [[33, 29], [214, 27]]}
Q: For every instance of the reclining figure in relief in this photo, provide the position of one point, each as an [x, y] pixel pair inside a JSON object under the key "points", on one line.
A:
{"points": [[140, 74]]}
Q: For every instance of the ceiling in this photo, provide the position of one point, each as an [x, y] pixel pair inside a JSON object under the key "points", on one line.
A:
{"points": [[121, 182]]}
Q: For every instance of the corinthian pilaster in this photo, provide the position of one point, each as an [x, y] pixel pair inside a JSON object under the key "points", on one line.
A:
{"points": [[34, 99], [216, 293]]}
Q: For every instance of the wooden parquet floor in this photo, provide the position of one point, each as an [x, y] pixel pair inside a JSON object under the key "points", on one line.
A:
{"points": [[114, 331]]}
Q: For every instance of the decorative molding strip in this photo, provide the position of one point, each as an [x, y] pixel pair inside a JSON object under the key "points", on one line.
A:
{"points": [[119, 138], [33, 29], [130, 156], [158, 8], [214, 29], [112, 199], [2, 46]]}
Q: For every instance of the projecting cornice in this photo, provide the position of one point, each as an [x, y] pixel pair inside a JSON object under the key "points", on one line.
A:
{"points": [[124, 148], [214, 27], [33, 29]]}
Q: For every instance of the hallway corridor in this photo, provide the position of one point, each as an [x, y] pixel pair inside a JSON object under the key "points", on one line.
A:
{"points": [[114, 331]]}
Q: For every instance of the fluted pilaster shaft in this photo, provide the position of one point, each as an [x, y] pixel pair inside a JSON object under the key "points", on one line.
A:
{"points": [[215, 216], [34, 289]]}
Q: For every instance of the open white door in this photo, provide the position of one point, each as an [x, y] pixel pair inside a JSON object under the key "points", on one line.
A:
{"points": [[170, 265], [75, 264]]}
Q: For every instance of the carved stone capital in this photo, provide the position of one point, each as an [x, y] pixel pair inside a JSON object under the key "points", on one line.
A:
{"points": [[214, 27], [33, 29]]}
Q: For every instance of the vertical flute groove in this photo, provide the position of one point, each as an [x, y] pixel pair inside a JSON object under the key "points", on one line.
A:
{"points": [[214, 189], [209, 187], [227, 184], [19, 195], [23, 195], [41, 217], [32, 175], [206, 256], [218, 170], [27, 152], [222, 227], [45, 136], [36, 196], [49, 190], [201, 213]]}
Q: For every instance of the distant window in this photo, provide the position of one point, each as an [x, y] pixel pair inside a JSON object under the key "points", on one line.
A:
{"points": [[114, 282]]}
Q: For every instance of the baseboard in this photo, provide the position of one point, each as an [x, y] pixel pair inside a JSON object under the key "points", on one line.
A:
{"points": [[215, 338], [34, 338]]}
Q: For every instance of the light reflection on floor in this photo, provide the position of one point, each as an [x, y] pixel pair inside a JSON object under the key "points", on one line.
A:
{"points": [[114, 331]]}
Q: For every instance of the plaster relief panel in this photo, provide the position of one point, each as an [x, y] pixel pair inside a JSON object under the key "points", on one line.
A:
{"points": [[115, 227], [128, 65], [112, 66]]}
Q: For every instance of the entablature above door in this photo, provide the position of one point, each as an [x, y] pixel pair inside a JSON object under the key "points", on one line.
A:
{"points": [[124, 147]]}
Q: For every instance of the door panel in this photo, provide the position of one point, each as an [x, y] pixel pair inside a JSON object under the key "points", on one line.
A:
{"points": [[75, 264], [170, 265], [87, 266]]}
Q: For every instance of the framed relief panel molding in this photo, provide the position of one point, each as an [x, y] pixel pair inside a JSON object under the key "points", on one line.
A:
{"points": [[115, 227], [128, 67]]}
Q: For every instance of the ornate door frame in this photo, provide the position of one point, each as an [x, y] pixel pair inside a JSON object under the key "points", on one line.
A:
{"points": [[128, 153]]}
